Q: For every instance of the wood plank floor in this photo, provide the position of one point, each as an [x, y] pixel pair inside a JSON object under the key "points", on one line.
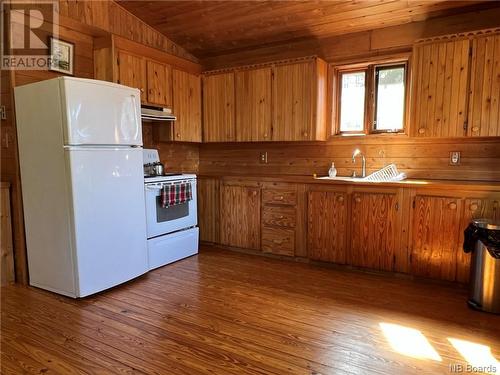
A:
{"points": [[228, 313]]}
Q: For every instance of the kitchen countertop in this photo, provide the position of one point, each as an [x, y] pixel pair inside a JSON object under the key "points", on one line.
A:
{"points": [[409, 183]]}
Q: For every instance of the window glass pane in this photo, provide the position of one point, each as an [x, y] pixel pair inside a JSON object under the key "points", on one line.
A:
{"points": [[352, 102], [390, 97]]}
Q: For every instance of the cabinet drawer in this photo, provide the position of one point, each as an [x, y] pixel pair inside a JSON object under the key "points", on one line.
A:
{"points": [[279, 196], [278, 241], [279, 216]]}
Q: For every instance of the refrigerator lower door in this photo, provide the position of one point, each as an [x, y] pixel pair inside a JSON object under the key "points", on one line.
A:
{"points": [[109, 216]]}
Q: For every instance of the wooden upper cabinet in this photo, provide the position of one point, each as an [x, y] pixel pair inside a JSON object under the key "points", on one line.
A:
{"points": [[218, 108], [484, 101], [435, 235], [253, 105], [159, 83], [240, 216], [327, 224], [440, 88], [132, 72], [299, 97], [186, 106], [375, 229]]}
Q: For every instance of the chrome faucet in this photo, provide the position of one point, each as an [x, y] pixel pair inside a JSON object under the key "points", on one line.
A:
{"points": [[363, 162]]}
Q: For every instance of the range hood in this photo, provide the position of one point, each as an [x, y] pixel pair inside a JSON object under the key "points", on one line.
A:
{"points": [[151, 113]]}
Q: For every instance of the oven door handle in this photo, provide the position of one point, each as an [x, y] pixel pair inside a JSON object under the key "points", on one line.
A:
{"points": [[154, 187]]}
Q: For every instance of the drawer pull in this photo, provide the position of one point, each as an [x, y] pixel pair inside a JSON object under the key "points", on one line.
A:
{"points": [[473, 207], [281, 217], [452, 206], [278, 242], [279, 198]]}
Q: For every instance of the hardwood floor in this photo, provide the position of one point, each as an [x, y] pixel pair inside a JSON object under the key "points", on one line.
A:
{"points": [[228, 313]]}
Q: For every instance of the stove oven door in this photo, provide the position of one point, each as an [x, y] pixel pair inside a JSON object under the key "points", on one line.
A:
{"points": [[167, 220]]}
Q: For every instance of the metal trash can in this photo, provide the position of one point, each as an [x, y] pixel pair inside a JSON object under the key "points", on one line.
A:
{"points": [[482, 239]]}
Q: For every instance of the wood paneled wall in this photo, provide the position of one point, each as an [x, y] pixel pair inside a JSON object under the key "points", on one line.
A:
{"points": [[418, 158], [381, 41], [109, 16], [177, 157]]}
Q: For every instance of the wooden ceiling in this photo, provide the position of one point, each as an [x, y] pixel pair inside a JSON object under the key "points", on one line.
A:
{"points": [[211, 28]]}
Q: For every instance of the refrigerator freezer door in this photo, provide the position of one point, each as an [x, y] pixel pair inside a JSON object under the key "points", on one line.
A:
{"points": [[100, 113], [109, 216]]}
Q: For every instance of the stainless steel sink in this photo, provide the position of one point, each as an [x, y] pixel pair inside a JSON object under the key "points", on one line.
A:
{"points": [[387, 174]]}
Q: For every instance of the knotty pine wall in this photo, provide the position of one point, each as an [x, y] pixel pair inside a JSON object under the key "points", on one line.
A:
{"points": [[79, 23], [428, 159]]}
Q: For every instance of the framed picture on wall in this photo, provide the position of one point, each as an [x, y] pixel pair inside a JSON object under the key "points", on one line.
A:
{"points": [[62, 56]]}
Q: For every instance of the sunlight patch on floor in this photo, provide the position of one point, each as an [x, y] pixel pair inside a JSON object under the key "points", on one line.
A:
{"points": [[409, 341], [477, 355]]}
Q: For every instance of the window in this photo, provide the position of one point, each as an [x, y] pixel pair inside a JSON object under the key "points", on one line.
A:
{"points": [[371, 98], [389, 98], [352, 98]]}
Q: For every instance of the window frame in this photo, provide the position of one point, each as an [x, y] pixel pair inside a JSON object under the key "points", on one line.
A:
{"points": [[370, 87]]}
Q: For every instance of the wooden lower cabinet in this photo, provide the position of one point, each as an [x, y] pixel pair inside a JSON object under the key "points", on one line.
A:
{"points": [[418, 231], [375, 230], [240, 216], [435, 234], [280, 221], [280, 241], [208, 209], [327, 226]]}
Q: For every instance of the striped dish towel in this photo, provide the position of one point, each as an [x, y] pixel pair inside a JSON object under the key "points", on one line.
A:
{"points": [[175, 194]]}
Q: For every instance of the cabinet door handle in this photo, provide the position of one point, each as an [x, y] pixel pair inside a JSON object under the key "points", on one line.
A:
{"points": [[142, 91], [421, 131], [305, 134], [178, 135], [265, 135], [475, 129], [452, 206], [473, 206], [357, 199], [340, 199]]}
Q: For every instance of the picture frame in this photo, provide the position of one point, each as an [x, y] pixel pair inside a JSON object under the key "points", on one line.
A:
{"points": [[62, 56]]}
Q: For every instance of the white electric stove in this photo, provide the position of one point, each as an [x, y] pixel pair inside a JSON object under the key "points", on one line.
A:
{"points": [[172, 232]]}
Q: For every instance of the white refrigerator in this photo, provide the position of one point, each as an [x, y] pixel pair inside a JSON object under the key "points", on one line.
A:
{"points": [[80, 151]]}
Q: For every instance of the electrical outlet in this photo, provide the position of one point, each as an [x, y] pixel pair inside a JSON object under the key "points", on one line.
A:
{"points": [[263, 157], [455, 158], [3, 112]]}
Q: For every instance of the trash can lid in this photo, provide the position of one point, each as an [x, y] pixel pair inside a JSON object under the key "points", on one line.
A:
{"points": [[487, 224]]}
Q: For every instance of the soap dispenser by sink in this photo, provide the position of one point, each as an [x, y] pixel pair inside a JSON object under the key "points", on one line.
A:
{"points": [[332, 172]]}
